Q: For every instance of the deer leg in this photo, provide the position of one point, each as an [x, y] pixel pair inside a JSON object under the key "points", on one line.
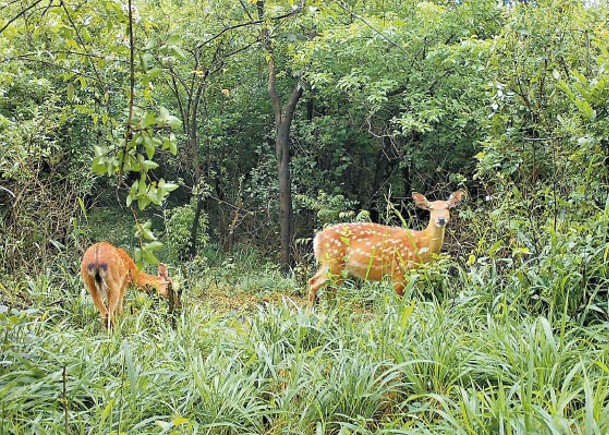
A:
{"points": [[121, 298], [398, 284], [397, 276], [315, 283], [97, 299], [114, 300], [399, 288], [321, 280]]}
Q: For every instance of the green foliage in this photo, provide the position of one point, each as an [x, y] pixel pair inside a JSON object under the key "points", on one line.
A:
{"points": [[417, 91], [590, 96], [65, 87], [545, 220], [178, 232], [329, 208], [43, 176], [145, 253], [136, 156], [107, 223]]}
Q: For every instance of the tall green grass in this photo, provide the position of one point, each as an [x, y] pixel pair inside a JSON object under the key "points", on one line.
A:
{"points": [[458, 354]]}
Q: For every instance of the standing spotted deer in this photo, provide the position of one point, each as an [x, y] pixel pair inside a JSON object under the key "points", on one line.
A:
{"points": [[372, 251], [107, 271]]}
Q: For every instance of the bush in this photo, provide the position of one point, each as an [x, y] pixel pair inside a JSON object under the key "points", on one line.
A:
{"points": [[179, 222]]}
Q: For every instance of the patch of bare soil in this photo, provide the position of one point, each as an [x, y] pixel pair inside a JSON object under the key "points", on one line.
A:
{"points": [[222, 302]]}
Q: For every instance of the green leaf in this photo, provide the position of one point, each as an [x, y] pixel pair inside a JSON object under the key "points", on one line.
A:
{"points": [[566, 89], [99, 165], [107, 410], [151, 75], [178, 421], [168, 187], [581, 78], [149, 164], [153, 196], [70, 92], [150, 148], [496, 246], [177, 52], [149, 257], [586, 109], [167, 119], [137, 255], [174, 39], [153, 246], [149, 119], [163, 113], [142, 202], [169, 142], [99, 151], [146, 60], [173, 148], [110, 169], [144, 231], [174, 122], [150, 44], [142, 186]]}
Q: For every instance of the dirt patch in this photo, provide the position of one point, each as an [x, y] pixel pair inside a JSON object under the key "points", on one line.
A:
{"points": [[221, 302]]}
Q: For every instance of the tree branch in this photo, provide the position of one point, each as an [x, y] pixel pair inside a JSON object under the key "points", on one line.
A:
{"points": [[260, 20], [128, 127], [374, 29], [7, 4], [293, 101], [20, 14], [49, 63], [82, 43]]}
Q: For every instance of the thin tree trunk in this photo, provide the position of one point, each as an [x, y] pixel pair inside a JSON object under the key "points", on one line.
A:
{"points": [[283, 122], [194, 230], [194, 150], [282, 148]]}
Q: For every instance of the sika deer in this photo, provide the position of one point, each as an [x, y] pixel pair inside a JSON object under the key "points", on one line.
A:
{"points": [[108, 270], [371, 251]]}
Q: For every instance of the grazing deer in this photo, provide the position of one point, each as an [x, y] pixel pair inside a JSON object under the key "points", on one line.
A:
{"points": [[108, 270], [372, 251]]}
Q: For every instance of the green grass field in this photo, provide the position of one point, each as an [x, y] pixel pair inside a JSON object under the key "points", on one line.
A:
{"points": [[453, 356]]}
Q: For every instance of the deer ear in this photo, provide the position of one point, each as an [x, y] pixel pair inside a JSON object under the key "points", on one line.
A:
{"points": [[455, 198], [420, 200], [163, 271]]}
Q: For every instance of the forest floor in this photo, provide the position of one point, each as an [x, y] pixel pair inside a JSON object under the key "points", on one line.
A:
{"points": [[221, 301]]}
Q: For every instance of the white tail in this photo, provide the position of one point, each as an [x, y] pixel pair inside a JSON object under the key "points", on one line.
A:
{"points": [[108, 270], [372, 251]]}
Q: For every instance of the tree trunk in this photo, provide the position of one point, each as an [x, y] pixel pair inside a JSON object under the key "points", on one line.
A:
{"points": [[189, 108], [283, 122], [407, 179], [374, 205], [286, 222], [194, 230], [194, 151]]}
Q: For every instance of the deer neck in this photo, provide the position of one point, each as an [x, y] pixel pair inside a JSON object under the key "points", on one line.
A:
{"points": [[433, 237], [145, 281]]}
